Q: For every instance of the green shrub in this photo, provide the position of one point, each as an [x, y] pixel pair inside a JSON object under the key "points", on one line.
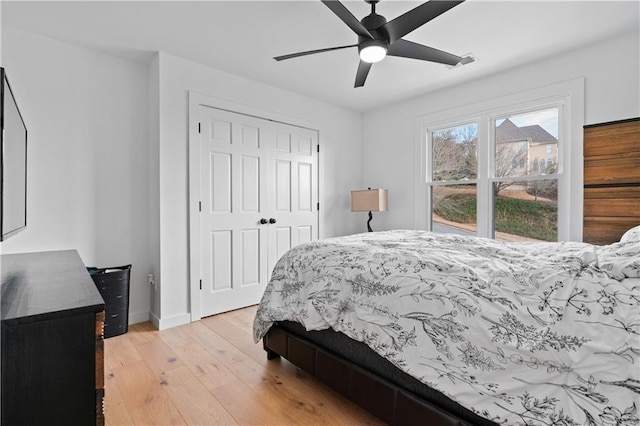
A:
{"points": [[532, 219]]}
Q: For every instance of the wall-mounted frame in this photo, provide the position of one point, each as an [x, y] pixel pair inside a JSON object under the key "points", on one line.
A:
{"points": [[13, 163]]}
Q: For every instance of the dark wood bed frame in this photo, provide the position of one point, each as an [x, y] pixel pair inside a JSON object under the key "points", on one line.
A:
{"points": [[387, 401]]}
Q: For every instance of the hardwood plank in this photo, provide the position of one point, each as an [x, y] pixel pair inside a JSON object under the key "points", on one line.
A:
{"points": [[115, 411], [197, 405], [142, 332], [613, 170], [159, 357], [607, 230], [214, 344], [209, 370], [143, 395], [241, 318], [219, 376], [249, 407], [615, 192], [236, 336], [611, 207], [120, 351], [612, 139]]}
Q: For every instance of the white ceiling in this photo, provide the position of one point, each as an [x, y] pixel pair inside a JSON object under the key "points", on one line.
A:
{"points": [[241, 37]]}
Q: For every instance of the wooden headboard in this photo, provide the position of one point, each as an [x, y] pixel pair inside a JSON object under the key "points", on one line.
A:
{"points": [[611, 180]]}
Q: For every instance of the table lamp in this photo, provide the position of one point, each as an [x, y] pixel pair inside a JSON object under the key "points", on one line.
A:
{"points": [[371, 200]]}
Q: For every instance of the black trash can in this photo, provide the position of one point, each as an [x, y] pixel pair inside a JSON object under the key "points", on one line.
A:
{"points": [[113, 284]]}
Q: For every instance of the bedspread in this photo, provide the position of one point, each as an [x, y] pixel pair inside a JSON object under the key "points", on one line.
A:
{"points": [[520, 333]]}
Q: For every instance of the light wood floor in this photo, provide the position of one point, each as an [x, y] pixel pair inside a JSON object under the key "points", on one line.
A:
{"points": [[210, 372]]}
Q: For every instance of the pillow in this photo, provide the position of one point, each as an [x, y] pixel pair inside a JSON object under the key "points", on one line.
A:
{"points": [[621, 260], [632, 234]]}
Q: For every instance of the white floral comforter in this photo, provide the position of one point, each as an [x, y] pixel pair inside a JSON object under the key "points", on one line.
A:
{"points": [[520, 333]]}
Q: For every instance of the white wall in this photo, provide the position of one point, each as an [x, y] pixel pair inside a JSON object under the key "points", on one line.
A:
{"points": [[340, 163], [88, 169], [611, 70]]}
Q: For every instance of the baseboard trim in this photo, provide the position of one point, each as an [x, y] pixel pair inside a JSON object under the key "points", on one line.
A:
{"points": [[174, 321], [155, 321]]}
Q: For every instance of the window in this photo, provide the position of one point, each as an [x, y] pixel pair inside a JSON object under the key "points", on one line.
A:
{"points": [[547, 116], [521, 194], [525, 206], [549, 149], [454, 165]]}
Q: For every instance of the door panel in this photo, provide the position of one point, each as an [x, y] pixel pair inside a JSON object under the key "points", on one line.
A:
{"points": [[219, 131], [220, 166], [250, 176], [305, 187], [251, 169], [250, 257], [283, 240], [305, 234], [251, 136], [283, 142], [305, 146], [221, 270], [283, 186]]}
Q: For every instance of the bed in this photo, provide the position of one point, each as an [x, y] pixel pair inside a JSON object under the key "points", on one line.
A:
{"points": [[425, 328]]}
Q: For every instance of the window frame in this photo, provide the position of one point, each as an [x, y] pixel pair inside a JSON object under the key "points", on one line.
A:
{"points": [[568, 97]]}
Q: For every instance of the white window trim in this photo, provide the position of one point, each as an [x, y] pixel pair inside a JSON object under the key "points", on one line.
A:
{"points": [[567, 96]]}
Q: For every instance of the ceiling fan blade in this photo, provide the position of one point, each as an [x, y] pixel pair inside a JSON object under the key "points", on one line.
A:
{"points": [[407, 22], [347, 17], [311, 52], [409, 49], [361, 75]]}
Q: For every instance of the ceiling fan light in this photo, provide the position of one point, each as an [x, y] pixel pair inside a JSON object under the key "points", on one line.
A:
{"points": [[373, 53]]}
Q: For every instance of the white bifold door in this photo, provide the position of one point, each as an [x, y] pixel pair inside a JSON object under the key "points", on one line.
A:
{"points": [[259, 195]]}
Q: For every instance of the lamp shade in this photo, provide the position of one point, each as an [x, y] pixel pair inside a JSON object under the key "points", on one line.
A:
{"points": [[369, 200]]}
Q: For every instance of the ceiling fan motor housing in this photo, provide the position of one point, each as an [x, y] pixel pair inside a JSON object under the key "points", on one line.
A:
{"points": [[374, 23]]}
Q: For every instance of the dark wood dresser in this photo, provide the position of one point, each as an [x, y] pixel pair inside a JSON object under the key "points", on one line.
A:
{"points": [[52, 345], [611, 180]]}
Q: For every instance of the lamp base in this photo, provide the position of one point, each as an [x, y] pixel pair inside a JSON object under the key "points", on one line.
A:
{"points": [[369, 222]]}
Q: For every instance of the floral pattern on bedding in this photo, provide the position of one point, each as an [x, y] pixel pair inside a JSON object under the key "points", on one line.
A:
{"points": [[520, 333]]}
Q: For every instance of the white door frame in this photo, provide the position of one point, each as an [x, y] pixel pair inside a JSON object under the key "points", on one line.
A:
{"points": [[195, 100]]}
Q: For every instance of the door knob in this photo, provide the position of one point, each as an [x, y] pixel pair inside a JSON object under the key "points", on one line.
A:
{"points": [[263, 221], [272, 220]]}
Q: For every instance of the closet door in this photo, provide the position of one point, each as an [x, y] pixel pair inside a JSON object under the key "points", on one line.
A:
{"points": [[255, 181], [293, 198]]}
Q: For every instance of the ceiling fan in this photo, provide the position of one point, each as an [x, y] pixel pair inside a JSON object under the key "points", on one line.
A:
{"points": [[378, 38]]}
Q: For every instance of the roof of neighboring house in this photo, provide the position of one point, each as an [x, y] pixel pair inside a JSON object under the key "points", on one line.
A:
{"points": [[507, 131]]}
